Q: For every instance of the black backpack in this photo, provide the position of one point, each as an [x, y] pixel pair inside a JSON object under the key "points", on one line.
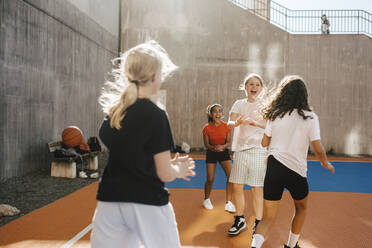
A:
{"points": [[64, 153], [94, 144]]}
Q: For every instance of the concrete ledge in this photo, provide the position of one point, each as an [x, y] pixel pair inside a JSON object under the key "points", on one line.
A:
{"points": [[63, 169], [92, 163]]}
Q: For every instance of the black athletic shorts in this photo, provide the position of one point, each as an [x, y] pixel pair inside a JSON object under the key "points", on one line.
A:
{"points": [[214, 157], [278, 177]]}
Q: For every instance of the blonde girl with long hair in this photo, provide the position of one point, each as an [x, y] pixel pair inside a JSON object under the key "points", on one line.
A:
{"points": [[249, 156], [133, 204]]}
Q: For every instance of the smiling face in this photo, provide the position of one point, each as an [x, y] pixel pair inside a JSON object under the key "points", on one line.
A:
{"points": [[216, 114], [253, 88]]}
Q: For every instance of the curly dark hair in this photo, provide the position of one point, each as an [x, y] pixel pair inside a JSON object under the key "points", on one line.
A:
{"points": [[292, 95], [210, 110]]}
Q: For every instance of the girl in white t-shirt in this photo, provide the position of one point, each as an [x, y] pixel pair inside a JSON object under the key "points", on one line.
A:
{"points": [[290, 128], [249, 156]]}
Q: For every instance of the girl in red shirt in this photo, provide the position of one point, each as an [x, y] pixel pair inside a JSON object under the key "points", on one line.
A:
{"points": [[217, 139]]}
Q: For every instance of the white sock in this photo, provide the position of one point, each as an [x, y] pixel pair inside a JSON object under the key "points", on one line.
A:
{"points": [[292, 239], [257, 241]]}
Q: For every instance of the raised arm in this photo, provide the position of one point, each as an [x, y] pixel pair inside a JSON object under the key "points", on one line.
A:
{"points": [[254, 123], [234, 120], [321, 155], [169, 169]]}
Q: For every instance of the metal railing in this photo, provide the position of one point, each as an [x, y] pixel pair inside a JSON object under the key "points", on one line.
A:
{"points": [[308, 21]]}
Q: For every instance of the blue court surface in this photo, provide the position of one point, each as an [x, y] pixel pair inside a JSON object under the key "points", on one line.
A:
{"points": [[351, 176]]}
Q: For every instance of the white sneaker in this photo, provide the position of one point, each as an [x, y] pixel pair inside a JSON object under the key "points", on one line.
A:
{"points": [[207, 204], [94, 175], [82, 174], [229, 207]]}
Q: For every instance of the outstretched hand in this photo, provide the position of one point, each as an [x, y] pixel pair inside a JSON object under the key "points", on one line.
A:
{"points": [[240, 120], [249, 121], [330, 167], [186, 166]]}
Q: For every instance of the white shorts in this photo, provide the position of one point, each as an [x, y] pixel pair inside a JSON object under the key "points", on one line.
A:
{"points": [[249, 167], [121, 224]]}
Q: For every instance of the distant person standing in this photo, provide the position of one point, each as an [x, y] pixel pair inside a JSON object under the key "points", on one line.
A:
{"points": [[325, 24]]}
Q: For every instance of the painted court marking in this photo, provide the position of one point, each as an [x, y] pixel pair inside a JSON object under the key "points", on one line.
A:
{"points": [[77, 237], [89, 227]]}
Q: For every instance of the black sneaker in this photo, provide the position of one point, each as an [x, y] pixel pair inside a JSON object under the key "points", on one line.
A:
{"points": [[238, 226], [296, 246]]}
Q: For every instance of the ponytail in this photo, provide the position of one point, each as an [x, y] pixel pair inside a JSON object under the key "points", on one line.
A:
{"points": [[117, 112], [136, 67]]}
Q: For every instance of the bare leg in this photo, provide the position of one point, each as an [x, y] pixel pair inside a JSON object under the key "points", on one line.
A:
{"points": [[226, 166], [209, 181], [300, 214], [269, 215], [258, 202], [238, 195]]}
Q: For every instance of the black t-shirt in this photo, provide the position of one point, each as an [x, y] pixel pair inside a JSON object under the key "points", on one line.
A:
{"points": [[130, 175]]}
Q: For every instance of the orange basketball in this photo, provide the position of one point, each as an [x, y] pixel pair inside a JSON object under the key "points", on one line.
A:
{"points": [[72, 136]]}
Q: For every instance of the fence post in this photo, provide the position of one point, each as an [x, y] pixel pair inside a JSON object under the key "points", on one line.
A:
{"points": [[286, 19], [358, 20]]}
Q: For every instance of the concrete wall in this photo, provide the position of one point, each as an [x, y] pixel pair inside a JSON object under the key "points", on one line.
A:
{"points": [[54, 56], [338, 69], [53, 59], [105, 13], [216, 43]]}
